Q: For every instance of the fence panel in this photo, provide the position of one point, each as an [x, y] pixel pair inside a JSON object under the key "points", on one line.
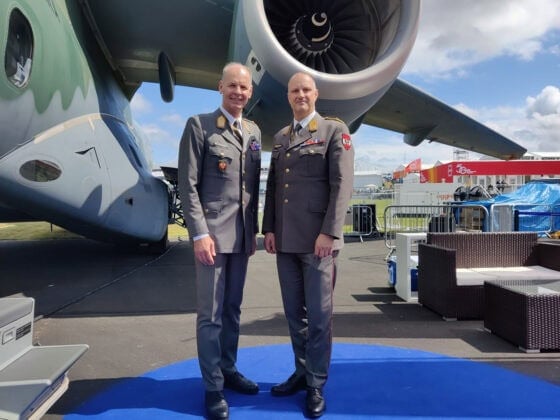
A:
{"points": [[431, 218], [360, 221]]}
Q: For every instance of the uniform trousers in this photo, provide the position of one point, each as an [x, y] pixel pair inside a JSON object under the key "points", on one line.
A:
{"points": [[307, 284], [219, 297]]}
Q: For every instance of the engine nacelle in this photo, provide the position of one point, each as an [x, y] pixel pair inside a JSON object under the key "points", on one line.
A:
{"points": [[354, 49]]}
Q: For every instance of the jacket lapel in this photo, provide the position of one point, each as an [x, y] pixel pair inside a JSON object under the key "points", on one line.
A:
{"points": [[222, 125]]}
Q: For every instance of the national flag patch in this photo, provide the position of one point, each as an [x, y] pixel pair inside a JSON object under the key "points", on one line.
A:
{"points": [[346, 141]]}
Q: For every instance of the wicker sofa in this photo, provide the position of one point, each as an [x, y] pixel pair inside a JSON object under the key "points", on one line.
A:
{"points": [[452, 267]]}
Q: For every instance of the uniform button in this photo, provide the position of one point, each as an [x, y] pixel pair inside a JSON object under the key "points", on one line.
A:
{"points": [[285, 200], [205, 210], [288, 155], [287, 170], [312, 151], [242, 202], [286, 185]]}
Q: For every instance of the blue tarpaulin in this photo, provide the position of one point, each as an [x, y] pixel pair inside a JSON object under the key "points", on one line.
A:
{"points": [[533, 207]]}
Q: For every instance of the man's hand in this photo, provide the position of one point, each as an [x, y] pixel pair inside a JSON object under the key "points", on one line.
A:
{"points": [[323, 245], [204, 250], [270, 243]]}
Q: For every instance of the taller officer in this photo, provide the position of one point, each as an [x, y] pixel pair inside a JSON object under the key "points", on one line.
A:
{"points": [[219, 170], [308, 191]]}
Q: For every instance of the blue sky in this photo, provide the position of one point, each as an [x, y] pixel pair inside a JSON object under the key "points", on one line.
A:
{"points": [[496, 60]]}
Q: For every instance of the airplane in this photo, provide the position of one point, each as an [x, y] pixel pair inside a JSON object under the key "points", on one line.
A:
{"points": [[70, 152]]}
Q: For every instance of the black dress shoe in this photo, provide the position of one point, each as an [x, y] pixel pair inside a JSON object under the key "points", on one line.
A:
{"points": [[314, 403], [294, 384], [216, 405], [237, 382]]}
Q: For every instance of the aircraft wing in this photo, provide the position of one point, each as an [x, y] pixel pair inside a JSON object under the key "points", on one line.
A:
{"points": [[406, 109], [357, 80], [193, 34]]}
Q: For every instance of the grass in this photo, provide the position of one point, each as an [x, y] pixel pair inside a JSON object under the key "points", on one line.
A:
{"points": [[34, 231]]}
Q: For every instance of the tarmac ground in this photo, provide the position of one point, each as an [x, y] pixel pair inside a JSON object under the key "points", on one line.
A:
{"points": [[136, 310]]}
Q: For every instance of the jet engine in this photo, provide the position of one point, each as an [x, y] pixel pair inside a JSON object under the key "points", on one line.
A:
{"points": [[354, 49]]}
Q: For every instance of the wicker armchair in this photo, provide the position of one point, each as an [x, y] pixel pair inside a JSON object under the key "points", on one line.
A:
{"points": [[444, 253]]}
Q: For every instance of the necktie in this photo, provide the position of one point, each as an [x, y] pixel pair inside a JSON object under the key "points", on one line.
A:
{"points": [[295, 132], [237, 131]]}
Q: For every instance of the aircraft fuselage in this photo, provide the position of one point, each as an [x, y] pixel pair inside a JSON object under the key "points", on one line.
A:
{"points": [[69, 153]]}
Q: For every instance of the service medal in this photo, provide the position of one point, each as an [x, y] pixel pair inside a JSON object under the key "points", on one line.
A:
{"points": [[222, 165]]}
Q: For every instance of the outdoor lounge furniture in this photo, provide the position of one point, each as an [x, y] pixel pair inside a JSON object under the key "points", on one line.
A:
{"points": [[452, 268], [524, 312]]}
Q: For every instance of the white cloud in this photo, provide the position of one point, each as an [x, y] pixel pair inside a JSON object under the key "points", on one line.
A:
{"points": [[175, 119], [164, 144], [140, 105], [460, 33], [536, 126], [546, 103]]}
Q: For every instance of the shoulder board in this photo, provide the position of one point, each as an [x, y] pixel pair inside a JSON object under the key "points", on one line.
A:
{"points": [[334, 119]]}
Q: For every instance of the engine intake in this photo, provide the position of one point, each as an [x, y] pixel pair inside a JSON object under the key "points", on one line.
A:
{"points": [[335, 37]]}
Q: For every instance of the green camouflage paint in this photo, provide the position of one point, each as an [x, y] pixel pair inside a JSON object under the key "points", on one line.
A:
{"points": [[59, 64]]}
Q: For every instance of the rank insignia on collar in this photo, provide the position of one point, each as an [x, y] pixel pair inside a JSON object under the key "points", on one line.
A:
{"points": [[254, 145], [221, 122], [346, 141], [312, 125], [222, 165]]}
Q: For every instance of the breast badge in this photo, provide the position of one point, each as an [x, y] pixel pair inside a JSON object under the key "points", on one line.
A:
{"points": [[222, 165], [254, 145]]}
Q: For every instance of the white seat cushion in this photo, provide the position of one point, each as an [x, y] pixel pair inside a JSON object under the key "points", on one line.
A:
{"points": [[470, 277], [477, 275]]}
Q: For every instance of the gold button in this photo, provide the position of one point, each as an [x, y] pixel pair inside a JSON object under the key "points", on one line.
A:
{"points": [[287, 170], [285, 200], [286, 185], [288, 154], [312, 151]]}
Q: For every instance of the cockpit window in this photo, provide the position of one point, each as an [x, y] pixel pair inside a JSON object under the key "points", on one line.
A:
{"points": [[19, 49], [40, 171]]}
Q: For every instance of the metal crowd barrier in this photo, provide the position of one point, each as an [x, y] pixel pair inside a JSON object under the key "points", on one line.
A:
{"points": [[541, 218], [431, 218], [360, 221]]}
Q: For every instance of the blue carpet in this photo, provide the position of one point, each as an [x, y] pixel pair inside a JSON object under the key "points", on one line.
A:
{"points": [[365, 382]]}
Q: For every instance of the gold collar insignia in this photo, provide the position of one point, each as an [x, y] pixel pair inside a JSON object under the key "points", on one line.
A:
{"points": [[221, 122], [312, 125]]}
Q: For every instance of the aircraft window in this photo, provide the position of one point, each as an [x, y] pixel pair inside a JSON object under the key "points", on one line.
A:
{"points": [[19, 49], [40, 171]]}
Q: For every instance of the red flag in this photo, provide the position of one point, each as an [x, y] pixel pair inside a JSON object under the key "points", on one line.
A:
{"points": [[414, 166]]}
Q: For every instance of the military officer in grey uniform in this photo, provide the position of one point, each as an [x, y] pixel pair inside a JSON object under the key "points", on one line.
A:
{"points": [[308, 191], [219, 169]]}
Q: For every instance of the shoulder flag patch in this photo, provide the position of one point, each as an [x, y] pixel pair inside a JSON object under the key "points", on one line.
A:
{"points": [[346, 141]]}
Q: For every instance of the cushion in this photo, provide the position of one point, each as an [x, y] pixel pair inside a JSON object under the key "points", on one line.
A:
{"points": [[477, 275]]}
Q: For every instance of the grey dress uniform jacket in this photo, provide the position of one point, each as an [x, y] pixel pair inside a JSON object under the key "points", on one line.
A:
{"points": [[309, 185], [218, 177]]}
